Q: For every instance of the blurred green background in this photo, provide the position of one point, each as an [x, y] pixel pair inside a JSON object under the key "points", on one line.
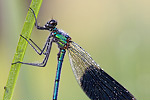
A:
{"points": [[115, 33]]}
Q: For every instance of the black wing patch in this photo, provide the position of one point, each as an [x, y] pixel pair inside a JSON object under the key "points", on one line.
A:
{"points": [[98, 85]]}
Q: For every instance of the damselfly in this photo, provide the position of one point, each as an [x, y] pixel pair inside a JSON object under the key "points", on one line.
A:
{"points": [[96, 83]]}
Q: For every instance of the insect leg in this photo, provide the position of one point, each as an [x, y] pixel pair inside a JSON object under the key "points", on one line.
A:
{"points": [[36, 25], [31, 41], [43, 63]]}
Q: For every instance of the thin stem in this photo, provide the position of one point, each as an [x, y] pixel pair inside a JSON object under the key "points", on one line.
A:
{"points": [[21, 48]]}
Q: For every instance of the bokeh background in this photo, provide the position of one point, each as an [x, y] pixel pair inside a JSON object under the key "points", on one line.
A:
{"points": [[116, 33]]}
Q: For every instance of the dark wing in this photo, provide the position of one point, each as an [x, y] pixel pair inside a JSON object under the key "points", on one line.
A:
{"points": [[96, 83]]}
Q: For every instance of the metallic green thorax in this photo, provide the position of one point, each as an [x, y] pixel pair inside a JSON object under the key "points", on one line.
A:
{"points": [[62, 39]]}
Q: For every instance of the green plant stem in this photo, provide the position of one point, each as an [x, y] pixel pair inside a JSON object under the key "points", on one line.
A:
{"points": [[21, 48]]}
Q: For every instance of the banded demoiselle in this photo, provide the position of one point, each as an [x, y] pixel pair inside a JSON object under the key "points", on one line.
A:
{"points": [[96, 83]]}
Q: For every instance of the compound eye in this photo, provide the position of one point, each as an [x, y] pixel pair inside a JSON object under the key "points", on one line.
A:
{"points": [[53, 22]]}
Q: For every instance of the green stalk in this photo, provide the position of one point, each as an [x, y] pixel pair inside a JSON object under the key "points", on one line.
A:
{"points": [[21, 48]]}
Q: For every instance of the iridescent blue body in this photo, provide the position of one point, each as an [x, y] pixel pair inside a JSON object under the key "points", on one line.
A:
{"points": [[58, 72], [62, 39], [96, 83]]}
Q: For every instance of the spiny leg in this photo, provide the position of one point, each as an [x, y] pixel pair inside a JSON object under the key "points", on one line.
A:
{"points": [[36, 25], [34, 44], [47, 53], [35, 64]]}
